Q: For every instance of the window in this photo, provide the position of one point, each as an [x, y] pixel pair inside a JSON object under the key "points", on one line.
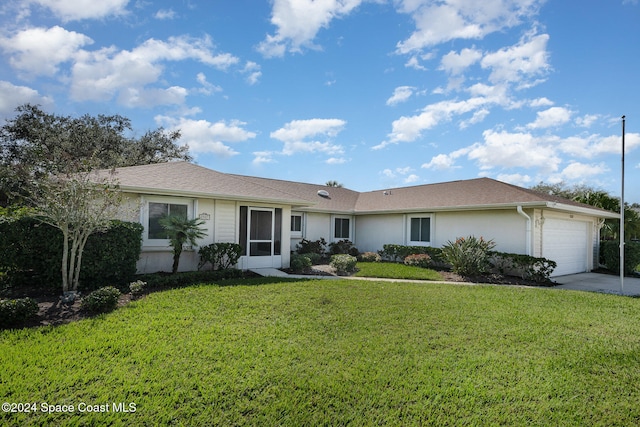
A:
{"points": [[296, 224], [420, 229], [341, 228], [160, 210]]}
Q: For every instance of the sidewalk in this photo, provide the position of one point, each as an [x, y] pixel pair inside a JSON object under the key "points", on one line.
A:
{"points": [[588, 282]]}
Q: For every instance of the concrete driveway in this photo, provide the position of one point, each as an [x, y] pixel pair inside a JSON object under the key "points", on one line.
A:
{"points": [[596, 282]]}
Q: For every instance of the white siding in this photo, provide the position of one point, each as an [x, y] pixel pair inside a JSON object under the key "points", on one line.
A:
{"points": [[225, 222], [505, 227], [318, 226], [374, 231]]}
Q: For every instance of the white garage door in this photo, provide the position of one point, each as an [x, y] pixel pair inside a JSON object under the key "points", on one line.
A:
{"points": [[567, 243]]}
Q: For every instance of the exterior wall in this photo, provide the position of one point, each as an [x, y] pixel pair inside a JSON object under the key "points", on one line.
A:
{"points": [[220, 223], [505, 227], [374, 231], [318, 225]]}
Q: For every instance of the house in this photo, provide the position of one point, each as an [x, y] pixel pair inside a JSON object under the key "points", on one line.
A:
{"points": [[268, 217]]}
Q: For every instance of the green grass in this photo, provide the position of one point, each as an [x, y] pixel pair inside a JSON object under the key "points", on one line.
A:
{"points": [[392, 270], [337, 352]]}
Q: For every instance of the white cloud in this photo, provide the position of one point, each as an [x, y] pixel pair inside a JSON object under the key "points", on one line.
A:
{"points": [[336, 160], [400, 94], [253, 70], [455, 63], [40, 51], [203, 136], [407, 129], [516, 63], [298, 22], [514, 150], [72, 10], [541, 102], [207, 87], [442, 21], [587, 120], [411, 178], [261, 157], [576, 171], [515, 179], [165, 14], [440, 162], [140, 97], [477, 117], [554, 116], [296, 136], [12, 96], [100, 75]]}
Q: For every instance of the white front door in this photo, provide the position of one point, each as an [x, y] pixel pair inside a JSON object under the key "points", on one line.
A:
{"points": [[261, 224]]}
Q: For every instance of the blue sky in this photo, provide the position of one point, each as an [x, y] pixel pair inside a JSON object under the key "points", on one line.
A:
{"points": [[374, 94]]}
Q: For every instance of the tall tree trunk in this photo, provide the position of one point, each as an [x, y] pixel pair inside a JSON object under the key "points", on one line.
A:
{"points": [[76, 275], [65, 259], [176, 260]]}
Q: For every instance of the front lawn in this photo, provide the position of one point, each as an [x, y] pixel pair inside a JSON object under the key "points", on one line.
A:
{"points": [[393, 270], [335, 352]]}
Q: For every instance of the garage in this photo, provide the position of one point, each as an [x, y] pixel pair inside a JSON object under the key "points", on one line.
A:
{"points": [[568, 243]]}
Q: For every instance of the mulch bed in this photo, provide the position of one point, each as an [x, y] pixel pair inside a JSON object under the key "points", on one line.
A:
{"points": [[52, 311]]}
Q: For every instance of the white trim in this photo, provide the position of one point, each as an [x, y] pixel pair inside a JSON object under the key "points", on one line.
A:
{"points": [[408, 219], [333, 227], [297, 234], [144, 218]]}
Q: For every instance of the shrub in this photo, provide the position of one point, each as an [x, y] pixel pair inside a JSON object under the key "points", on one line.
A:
{"points": [[525, 266], [137, 287], [369, 257], [15, 311], [610, 256], [101, 300], [468, 256], [397, 253], [344, 264], [300, 263], [314, 258], [316, 247], [31, 253], [418, 260], [344, 246], [221, 256]]}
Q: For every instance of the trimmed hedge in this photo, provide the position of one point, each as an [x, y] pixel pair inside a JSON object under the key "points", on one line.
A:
{"points": [[15, 311], [31, 254], [397, 253], [525, 266], [188, 278], [344, 264], [101, 300], [610, 256]]}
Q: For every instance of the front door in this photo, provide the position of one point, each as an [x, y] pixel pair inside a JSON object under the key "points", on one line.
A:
{"points": [[260, 242]]}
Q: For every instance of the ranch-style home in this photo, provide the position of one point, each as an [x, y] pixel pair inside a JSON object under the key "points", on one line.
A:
{"points": [[268, 217]]}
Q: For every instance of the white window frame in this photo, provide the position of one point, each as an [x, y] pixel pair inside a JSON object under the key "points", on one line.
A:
{"points": [[333, 228], [144, 217], [431, 230], [297, 234]]}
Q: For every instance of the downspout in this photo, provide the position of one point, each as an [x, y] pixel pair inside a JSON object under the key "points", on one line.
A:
{"points": [[528, 229]]}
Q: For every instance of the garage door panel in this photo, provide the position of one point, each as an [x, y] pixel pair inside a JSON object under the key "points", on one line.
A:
{"points": [[567, 243]]}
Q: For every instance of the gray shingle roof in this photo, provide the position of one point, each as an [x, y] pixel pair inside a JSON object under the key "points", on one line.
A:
{"points": [[182, 178]]}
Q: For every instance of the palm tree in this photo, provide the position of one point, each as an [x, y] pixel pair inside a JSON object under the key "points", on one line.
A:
{"points": [[181, 230]]}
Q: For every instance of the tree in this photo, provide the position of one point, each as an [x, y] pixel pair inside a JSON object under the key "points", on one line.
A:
{"points": [[35, 144], [333, 183], [180, 231], [78, 205]]}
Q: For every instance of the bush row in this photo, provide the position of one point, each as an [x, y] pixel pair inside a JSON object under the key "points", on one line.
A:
{"points": [[398, 253], [610, 256], [14, 312], [31, 254], [187, 278]]}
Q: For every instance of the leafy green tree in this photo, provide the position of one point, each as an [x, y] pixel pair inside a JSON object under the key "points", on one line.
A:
{"points": [[333, 183], [181, 231], [35, 144], [78, 205]]}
